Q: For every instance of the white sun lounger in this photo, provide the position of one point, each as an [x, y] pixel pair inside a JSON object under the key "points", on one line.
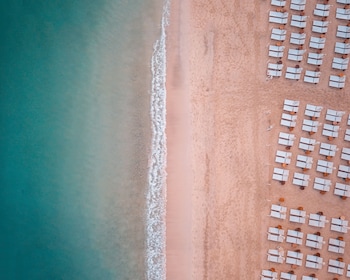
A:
{"points": [[287, 136], [299, 24], [312, 110], [274, 73], [347, 135], [278, 3], [295, 54], [343, 31], [313, 265], [288, 124], [336, 81], [304, 162], [276, 51], [312, 77], [321, 10], [297, 38], [343, 1], [342, 48], [322, 184], [336, 249], [343, 14], [340, 63], [275, 259], [315, 58], [292, 76], [278, 34], [289, 117], [317, 43], [293, 261], [275, 66], [287, 276]]}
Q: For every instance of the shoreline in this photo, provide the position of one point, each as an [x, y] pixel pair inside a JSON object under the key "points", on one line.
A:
{"points": [[220, 151]]}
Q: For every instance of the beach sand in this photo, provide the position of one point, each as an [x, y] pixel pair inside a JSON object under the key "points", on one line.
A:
{"points": [[221, 153]]}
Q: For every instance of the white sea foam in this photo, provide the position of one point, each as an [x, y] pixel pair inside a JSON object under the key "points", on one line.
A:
{"points": [[156, 194]]}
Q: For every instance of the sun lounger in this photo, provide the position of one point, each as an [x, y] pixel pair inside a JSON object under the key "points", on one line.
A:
{"points": [[317, 43], [342, 48], [336, 242], [343, 1], [313, 244], [304, 162], [312, 110], [310, 126], [292, 76], [322, 184], [297, 38], [274, 73], [275, 256], [287, 276], [336, 81], [278, 3], [293, 261], [287, 136], [313, 265], [314, 223], [295, 219], [343, 31], [336, 249], [315, 58], [278, 34], [275, 238], [275, 259], [312, 77], [268, 274], [340, 63], [295, 55], [299, 24], [337, 228], [347, 135], [343, 14], [297, 5], [321, 10], [288, 123], [335, 270], [348, 271], [289, 117]]}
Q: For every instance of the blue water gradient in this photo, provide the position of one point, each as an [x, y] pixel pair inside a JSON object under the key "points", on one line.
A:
{"points": [[73, 141]]}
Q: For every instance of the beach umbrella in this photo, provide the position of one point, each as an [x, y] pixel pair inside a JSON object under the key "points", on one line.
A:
{"points": [[342, 218], [279, 227], [281, 199], [340, 259], [317, 255], [340, 238], [300, 208]]}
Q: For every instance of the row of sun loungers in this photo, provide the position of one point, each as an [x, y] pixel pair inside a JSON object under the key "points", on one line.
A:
{"points": [[312, 261], [302, 180], [299, 216]]}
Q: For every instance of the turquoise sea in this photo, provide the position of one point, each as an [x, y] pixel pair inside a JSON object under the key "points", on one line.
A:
{"points": [[76, 138]]}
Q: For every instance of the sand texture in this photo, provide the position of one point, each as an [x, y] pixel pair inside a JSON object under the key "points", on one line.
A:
{"points": [[223, 125]]}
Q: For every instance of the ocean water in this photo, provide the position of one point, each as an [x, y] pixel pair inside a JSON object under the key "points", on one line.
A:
{"points": [[82, 139]]}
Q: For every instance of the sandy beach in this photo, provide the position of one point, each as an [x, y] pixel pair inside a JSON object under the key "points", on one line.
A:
{"points": [[223, 122]]}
